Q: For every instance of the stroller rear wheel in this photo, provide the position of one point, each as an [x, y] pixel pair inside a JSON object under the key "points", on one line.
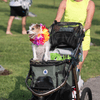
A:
{"points": [[86, 94]]}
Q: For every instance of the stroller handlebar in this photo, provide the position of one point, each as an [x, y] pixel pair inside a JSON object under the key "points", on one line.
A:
{"points": [[66, 23]]}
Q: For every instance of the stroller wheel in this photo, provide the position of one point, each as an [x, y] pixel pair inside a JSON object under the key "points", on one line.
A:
{"points": [[86, 94]]}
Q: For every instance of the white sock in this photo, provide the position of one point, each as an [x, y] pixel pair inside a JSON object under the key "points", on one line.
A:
{"points": [[80, 82], [80, 77]]}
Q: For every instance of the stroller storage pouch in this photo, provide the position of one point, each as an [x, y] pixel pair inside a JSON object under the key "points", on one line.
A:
{"points": [[49, 75]]}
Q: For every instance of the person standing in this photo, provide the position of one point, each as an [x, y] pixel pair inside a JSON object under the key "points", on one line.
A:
{"points": [[18, 8], [81, 11]]}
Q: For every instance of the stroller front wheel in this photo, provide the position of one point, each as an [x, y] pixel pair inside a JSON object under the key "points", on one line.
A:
{"points": [[86, 94]]}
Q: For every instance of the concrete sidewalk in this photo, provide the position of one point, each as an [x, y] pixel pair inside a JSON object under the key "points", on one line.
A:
{"points": [[94, 85]]}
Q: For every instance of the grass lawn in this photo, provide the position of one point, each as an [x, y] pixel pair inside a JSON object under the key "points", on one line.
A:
{"points": [[15, 50]]}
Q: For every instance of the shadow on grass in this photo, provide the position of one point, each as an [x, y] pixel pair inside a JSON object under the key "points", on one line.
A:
{"points": [[3, 28], [97, 32], [7, 14], [17, 28], [17, 93], [95, 41], [46, 6], [4, 10], [97, 7], [96, 22]]}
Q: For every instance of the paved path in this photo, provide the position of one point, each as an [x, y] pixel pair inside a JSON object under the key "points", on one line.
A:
{"points": [[94, 85]]}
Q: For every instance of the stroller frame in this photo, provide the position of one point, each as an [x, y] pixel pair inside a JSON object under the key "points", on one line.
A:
{"points": [[72, 67]]}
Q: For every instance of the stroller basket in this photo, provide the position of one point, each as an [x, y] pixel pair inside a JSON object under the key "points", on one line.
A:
{"points": [[47, 76]]}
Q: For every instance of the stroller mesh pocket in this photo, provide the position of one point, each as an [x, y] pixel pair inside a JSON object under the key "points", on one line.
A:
{"points": [[44, 82], [44, 76]]}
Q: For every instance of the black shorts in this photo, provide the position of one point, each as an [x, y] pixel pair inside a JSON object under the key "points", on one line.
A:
{"points": [[18, 11]]}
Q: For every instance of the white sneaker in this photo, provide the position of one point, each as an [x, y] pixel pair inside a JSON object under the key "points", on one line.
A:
{"points": [[17, 18], [31, 14], [80, 93], [80, 83]]}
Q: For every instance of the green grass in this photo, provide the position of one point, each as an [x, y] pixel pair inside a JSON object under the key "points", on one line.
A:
{"points": [[15, 50]]}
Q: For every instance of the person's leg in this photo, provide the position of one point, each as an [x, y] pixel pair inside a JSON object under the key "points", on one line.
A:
{"points": [[85, 48], [9, 24], [23, 25], [5, 0], [23, 13], [81, 82], [84, 56]]}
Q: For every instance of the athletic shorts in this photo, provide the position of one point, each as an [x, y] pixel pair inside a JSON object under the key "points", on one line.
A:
{"points": [[18, 11], [86, 43]]}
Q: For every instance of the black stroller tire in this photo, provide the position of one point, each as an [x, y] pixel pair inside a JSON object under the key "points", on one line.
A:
{"points": [[86, 92]]}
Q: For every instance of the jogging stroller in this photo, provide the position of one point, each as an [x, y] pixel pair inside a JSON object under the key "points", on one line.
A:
{"points": [[58, 79]]}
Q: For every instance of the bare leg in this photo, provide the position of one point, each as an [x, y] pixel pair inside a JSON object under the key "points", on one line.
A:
{"points": [[9, 24], [23, 25], [81, 82], [5, 0], [81, 63]]}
